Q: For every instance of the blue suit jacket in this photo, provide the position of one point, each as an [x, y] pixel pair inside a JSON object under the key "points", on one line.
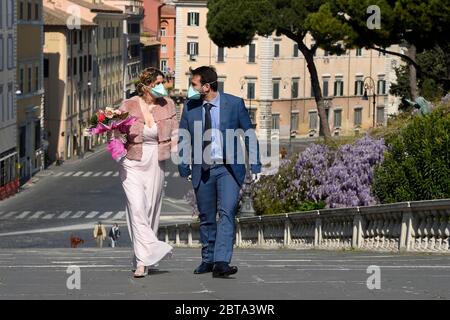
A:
{"points": [[233, 115]]}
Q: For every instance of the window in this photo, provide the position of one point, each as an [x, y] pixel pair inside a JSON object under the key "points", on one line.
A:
{"points": [[163, 32], [85, 67], [69, 67], [21, 10], [163, 65], [337, 118], [380, 115], [29, 10], [276, 50], [358, 117], [75, 35], [192, 48], [36, 11], [81, 68], [359, 52], [220, 54], [10, 13], [221, 85], [22, 139], [90, 63], [359, 87], [313, 120], [294, 121], [325, 86], [1, 53], [21, 79], [36, 77], [295, 52], [2, 104], [381, 86], [163, 48], [74, 66], [37, 135], [193, 19], [338, 87], [10, 52], [276, 90], [46, 68], [275, 121], [294, 88], [251, 90], [10, 101], [81, 40], [29, 79], [252, 53]]}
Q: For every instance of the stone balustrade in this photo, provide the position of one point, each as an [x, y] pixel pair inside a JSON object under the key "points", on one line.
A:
{"points": [[422, 226]]}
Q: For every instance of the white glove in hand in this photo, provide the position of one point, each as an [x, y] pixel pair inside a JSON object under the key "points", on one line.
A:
{"points": [[255, 177]]}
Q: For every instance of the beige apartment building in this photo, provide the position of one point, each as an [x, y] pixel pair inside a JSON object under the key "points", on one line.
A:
{"points": [[134, 11], [29, 89], [97, 32], [68, 80], [9, 182], [271, 76]]}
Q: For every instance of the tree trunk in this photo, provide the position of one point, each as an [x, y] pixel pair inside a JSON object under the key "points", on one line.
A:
{"points": [[309, 56], [413, 73]]}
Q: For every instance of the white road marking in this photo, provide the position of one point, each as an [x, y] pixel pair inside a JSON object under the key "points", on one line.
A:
{"points": [[68, 174], [176, 174], [78, 214], [23, 214], [119, 215], [37, 214], [92, 214], [79, 173], [116, 174], [98, 174], [106, 215], [8, 215], [107, 174], [87, 174], [65, 214], [58, 174], [167, 174], [48, 216]]}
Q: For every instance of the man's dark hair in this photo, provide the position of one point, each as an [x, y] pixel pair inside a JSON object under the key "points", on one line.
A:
{"points": [[207, 75]]}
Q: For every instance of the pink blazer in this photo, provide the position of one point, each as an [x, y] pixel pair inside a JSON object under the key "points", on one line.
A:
{"points": [[164, 115]]}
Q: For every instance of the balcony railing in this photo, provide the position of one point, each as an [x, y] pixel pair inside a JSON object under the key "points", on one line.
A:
{"points": [[420, 226]]}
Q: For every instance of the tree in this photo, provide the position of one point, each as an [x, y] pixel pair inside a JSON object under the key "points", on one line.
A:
{"points": [[420, 25], [234, 23]]}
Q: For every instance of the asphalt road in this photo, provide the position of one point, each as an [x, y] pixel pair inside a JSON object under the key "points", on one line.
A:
{"points": [[263, 274], [71, 198]]}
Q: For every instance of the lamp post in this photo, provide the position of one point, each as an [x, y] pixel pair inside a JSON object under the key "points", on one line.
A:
{"points": [[369, 86]]}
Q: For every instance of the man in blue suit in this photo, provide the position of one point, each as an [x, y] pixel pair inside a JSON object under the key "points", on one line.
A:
{"points": [[211, 119]]}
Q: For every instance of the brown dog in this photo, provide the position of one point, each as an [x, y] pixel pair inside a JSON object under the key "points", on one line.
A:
{"points": [[75, 241]]}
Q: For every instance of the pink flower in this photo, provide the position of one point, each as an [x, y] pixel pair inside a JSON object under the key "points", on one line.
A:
{"points": [[117, 149]]}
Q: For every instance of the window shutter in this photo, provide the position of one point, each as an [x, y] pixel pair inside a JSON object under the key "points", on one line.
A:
{"points": [[335, 88], [188, 48], [189, 18], [196, 48], [197, 16]]}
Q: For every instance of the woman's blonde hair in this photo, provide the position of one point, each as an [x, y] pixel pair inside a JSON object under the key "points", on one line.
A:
{"points": [[146, 78]]}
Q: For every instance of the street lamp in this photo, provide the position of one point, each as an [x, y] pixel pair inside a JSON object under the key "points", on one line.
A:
{"points": [[369, 86]]}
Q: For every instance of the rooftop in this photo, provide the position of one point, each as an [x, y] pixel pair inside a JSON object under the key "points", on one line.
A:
{"points": [[56, 17]]}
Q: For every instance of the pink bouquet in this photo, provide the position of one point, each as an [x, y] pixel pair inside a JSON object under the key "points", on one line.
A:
{"points": [[113, 121]]}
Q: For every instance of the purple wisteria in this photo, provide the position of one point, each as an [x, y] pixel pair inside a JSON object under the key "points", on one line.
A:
{"points": [[342, 177]]}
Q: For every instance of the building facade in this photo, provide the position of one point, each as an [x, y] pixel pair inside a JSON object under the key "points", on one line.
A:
{"points": [[134, 10], [100, 87], [167, 34], [271, 76], [9, 179], [150, 35], [68, 74], [29, 91]]}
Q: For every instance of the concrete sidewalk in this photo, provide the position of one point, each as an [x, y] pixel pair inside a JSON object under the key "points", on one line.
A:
{"points": [[263, 274]]}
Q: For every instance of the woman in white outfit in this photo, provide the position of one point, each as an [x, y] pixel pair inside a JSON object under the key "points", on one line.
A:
{"points": [[151, 139]]}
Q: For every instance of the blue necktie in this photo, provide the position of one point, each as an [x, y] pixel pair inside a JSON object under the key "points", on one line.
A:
{"points": [[207, 126]]}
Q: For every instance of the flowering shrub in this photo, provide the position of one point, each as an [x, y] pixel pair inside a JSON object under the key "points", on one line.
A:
{"points": [[321, 177]]}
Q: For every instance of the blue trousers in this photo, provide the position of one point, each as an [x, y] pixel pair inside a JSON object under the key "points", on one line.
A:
{"points": [[218, 192]]}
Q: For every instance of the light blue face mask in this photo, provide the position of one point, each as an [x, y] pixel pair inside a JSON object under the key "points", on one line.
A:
{"points": [[159, 91], [193, 94]]}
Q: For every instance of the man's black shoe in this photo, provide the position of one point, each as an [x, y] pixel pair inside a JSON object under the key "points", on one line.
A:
{"points": [[204, 268], [223, 270]]}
